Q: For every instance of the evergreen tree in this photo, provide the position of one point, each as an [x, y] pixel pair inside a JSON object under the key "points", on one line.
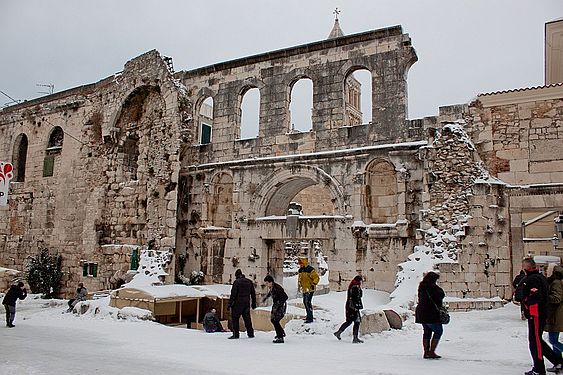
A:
{"points": [[44, 273]]}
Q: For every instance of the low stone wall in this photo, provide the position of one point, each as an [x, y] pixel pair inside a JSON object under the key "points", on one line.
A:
{"points": [[470, 304]]}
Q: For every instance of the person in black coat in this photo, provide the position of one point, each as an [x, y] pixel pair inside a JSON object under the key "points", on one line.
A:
{"points": [[279, 298], [14, 293], [211, 323], [532, 293], [430, 297], [353, 307], [243, 297]]}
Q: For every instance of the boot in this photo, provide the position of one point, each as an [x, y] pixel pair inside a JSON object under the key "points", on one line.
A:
{"points": [[426, 346], [431, 353], [356, 330], [278, 340], [337, 334], [557, 368]]}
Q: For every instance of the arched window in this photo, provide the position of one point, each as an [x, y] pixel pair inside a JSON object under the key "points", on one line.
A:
{"points": [[358, 96], [19, 158], [380, 193], [56, 139], [54, 148], [206, 121], [250, 114], [301, 106]]}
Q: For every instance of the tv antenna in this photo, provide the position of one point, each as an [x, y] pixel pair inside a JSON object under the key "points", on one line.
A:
{"points": [[13, 101], [50, 87]]}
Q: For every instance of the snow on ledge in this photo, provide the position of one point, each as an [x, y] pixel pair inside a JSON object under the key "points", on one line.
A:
{"points": [[305, 217]]}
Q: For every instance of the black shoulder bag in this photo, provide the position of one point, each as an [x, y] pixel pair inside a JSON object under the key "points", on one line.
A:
{"points": [[442, 310]]}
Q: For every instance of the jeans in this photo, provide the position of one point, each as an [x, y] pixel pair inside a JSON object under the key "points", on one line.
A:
{"points": [[554, 341], [308, 303], [435, 328], [10, 314]]}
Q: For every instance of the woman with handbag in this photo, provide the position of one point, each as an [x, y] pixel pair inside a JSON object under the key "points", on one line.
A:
{"points": [[353, 307], [554, 322], [427, 313]]}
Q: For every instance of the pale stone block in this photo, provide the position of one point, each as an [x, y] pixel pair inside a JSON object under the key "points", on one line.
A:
{"points": [[374, 322], [519, 165]]}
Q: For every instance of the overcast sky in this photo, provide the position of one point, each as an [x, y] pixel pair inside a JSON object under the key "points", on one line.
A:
{"points": [[465, 47]]}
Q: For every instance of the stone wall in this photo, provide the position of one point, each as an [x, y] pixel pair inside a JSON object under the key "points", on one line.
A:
{"points": [[96, 204]]}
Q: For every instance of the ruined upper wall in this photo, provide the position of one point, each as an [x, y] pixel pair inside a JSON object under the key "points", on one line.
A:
{"points": [[519, 134], [386, 53], [110, 180]]}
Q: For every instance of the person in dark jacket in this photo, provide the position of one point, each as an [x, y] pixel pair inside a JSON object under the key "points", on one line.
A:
{"points": [[211, 323], [554, 322], [243, 297], [279, 298], [353, 307], [532, 293], [430, 297], [14, 293], [79, 296]]}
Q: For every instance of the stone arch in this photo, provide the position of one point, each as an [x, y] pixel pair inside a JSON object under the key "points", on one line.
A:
{"points": [[221, 205], [379, 193], [19, 157], [275, 194], [129, 109], [289, 82], [352, 96], [248, 85], [199, 119], [56, 139]]}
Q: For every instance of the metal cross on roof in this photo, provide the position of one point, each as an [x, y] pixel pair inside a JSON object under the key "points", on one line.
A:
{"points": [[336, 13]]}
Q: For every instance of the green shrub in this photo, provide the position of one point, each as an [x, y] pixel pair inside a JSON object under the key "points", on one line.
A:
{"points": [[43, 273]]}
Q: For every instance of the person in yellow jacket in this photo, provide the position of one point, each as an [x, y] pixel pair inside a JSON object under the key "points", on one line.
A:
{"points": [[306, 283]]}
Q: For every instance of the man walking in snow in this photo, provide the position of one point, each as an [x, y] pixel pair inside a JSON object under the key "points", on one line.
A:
{"points": [[243, 297], [14, 293], [532, 293], [306, 283]]}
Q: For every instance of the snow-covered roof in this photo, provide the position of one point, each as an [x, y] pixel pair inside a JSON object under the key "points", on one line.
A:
{"points": [[214, 290], [158, 292]]}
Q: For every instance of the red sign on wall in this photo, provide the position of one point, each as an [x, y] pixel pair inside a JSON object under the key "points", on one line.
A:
{"points": [[6, 174]]}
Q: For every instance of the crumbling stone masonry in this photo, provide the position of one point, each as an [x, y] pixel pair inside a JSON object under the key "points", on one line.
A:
{"points": [[132, 162]]}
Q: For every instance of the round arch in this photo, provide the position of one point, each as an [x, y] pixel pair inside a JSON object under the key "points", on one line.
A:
{"points": [[284, 184], [19, 157], [379, 192], [144, 89]]}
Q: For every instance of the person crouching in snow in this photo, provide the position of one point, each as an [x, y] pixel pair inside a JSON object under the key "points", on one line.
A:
{"points": [[79, 296], [211, 323], [353, 307], [279, 298], [430, 296]]}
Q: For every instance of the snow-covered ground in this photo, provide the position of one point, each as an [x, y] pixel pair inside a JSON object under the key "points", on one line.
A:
{"points": [[45, 341]]}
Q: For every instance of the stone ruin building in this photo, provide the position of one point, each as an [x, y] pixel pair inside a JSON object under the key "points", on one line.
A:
{"points": [[139, 160]]}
